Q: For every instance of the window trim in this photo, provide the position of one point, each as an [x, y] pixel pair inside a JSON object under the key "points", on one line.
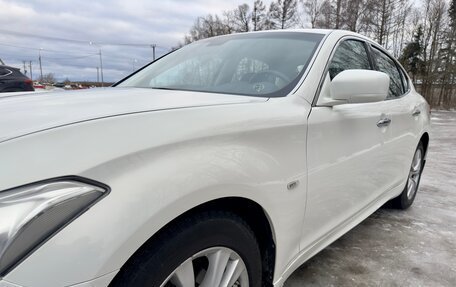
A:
{"points": [[9, 72], [406, 78], [333, 51], [370, 63], [407, 88]]}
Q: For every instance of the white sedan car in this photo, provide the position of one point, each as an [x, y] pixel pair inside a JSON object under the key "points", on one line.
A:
{"points": [[228, 162]]}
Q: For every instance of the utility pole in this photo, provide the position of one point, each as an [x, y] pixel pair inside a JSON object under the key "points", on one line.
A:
{"points": [[98, 74], [101, 61], [31, 71], [153, 50], [25, 69], [101, 69], [41, 68]]}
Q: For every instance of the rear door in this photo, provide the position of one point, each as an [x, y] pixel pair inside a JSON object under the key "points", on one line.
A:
{"points": [[404, 112], [345, 150]]}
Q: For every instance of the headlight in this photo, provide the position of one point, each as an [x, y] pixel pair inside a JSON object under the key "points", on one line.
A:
{"points": [[31, 214]]}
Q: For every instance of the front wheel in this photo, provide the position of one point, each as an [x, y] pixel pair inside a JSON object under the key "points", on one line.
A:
{"points": [[212, 249], [408, 195], [215, 266]]}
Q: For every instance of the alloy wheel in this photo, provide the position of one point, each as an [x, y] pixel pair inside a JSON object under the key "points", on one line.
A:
{"points": [[213, 267], [415, 173]]}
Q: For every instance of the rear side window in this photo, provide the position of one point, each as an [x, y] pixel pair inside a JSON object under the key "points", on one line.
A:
{"points": [[386, 65], [4, 72], [349, 55]]}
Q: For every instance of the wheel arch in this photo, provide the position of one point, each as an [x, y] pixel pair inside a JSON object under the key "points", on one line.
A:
{"points": [[250, 211], [425, 140]]}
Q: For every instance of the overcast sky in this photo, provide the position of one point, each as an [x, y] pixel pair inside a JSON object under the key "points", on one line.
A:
{"points": [[26, 26]]}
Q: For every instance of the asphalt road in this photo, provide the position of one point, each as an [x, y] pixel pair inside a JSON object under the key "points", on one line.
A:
{"points": [[416, 247]]}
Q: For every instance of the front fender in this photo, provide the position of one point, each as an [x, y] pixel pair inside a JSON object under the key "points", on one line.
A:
{"points": [[158, 166]]}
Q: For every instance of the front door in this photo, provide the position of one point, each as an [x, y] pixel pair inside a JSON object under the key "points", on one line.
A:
{"points": [[345, 152]]}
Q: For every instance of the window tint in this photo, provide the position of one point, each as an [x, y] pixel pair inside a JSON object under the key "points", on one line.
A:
{"points": [[386, 64], [349, 55], [4, 72]]}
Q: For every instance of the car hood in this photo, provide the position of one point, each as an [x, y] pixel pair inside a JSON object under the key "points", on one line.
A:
{"points": [[22, 114]]}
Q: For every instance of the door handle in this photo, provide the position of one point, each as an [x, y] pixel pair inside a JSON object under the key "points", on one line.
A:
{"points": [[383, 122], [416, 112]]}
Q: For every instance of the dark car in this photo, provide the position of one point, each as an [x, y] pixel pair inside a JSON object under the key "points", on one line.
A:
{"points": [[12, 80], [59, 85]]}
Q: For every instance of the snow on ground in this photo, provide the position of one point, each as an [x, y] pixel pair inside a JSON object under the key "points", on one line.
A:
{"points": [[416, 247]]}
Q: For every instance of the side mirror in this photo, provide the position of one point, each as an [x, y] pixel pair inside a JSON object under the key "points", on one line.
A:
{"points": [[357, 86]]}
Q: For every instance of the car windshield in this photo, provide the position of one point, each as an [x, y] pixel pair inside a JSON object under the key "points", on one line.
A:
{"points": [[254, 64]]}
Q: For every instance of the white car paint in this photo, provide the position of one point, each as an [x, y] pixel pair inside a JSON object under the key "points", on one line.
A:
{"points": [[34, 113], [164, 155]]}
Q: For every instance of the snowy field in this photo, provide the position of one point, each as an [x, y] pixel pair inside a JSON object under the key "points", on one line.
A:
{"points": [[416, 247]]}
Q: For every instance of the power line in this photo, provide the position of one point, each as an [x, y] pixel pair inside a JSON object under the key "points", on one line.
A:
{"points": [[80, 56], [34, 49], [69, 55], [21, 34], [49, 38], [73, 57], [113, 58]]}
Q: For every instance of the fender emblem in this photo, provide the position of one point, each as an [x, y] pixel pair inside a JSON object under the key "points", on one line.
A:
{"points": [[292, 184]]}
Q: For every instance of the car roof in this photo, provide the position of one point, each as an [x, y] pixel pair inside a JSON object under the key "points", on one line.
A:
{"points": [[301, 30], [8, 67], [338, 32], [325, 32]]}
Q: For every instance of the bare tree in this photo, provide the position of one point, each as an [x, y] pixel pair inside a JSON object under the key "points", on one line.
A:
{"points": [[448, 61], [399, 33], [206, 27], [325, 20], [258, 15], [352, 13], [283, 13], [48, 78], [432, 24], [241, 18], [313, 9], [421, 33], [338, 6]]}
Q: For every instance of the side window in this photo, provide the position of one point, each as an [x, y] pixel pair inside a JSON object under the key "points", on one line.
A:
{"points": [[386, 64], [349, 55], [4, 72]]}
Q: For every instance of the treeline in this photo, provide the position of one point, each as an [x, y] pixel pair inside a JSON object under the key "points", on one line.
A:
{"points": [[421, 34]]}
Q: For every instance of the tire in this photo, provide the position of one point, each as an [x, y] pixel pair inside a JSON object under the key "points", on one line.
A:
{"points": [[406, 198], [213, 231]]}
